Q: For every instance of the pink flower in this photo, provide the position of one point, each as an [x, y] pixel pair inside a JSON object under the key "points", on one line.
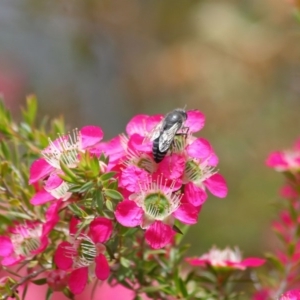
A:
{"points": [[28, 239], [65, 149], [286, 160], [154, 207], [85, 254], [290, 295], [227, 258], [57, 279]]}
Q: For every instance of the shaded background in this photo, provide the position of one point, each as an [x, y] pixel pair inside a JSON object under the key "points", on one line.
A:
{"points": [[101, 62]]}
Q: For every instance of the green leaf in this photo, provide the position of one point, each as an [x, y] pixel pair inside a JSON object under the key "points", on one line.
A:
{"points": [[41, 281], [156, 288], [4, 220], [29, 114], [107, 176], [113, 194], [5, 150], [68, 171], [49, 294], [77, 210], [109, 205], [98, 200], [95, 167], [125, 262]]}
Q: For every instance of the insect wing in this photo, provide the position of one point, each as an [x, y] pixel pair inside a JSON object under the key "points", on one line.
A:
{"points": [[167, 136], [155, 132]]}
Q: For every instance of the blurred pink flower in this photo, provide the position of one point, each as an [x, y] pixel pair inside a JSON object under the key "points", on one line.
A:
{"points": [[291, 295], [227, 258], [28, 239]]}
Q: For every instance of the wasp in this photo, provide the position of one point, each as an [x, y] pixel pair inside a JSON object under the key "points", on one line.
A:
{"points": [[164, 133]]}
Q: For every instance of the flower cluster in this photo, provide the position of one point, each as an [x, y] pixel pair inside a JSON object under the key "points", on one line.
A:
{"points": [[98, 191], [156, 194]]}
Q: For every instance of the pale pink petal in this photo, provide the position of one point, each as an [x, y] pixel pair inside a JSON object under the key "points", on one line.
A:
{"points": [[159, 235], [102, 270], [6, 247], [200, 149], [253, 262], [53, 182], [41, 197], [276, 160], [187, 213], [39, 170], [137, 125], [128, 213], [131, 177], [78, 280], [90, 136], [172, 167], [216, 184], [101, 230], [194, 194], [195, 120], [62, 256]]}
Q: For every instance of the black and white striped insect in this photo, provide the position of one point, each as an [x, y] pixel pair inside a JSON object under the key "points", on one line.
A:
{"points": [[164, 133]]}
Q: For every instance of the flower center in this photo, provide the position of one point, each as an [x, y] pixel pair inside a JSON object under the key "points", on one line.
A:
{"points": [[197, 172], [157, 205], [146, 164], [86, 252], [192, 171], [26, 240], [65, 149]]}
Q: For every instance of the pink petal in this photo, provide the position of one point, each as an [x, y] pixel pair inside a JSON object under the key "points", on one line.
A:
{"points": [[11, 260], [253, 262], [51, 217], [113, 148], [61, 256], [153, 121], [172, 167], [217, 185], [39, 170], [90, 136], [78, 280], [196, 261], [288, 191], [101, 230], [195, 120], [159, 235], [194, 194], [138, 143], [6, 247], [102, 267], [73, 226], [137, 125], [290, 295], [276, 160], [200, 148], [131, 177], [41, 197], [187, 213], [53, 182], [128, 213], [213, 160]]}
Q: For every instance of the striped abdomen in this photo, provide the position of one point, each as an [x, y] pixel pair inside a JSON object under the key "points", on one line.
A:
{"points": [[157, 155]]}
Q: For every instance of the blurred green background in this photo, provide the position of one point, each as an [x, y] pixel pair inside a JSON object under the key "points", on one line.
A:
{"points": [[101, 62]]}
